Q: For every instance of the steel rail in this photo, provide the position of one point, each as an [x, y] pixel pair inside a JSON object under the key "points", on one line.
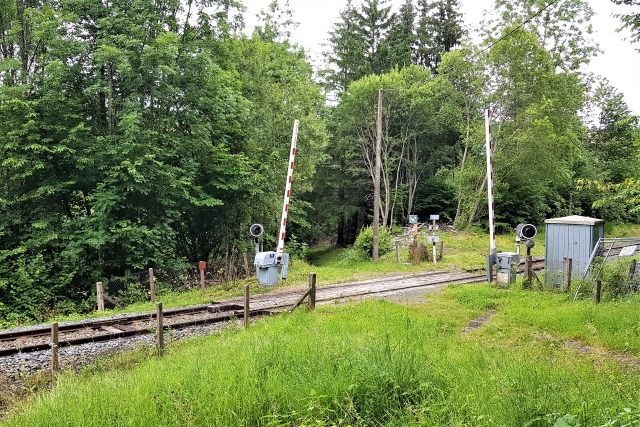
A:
{"points": [[110, 335], [97, 323]]}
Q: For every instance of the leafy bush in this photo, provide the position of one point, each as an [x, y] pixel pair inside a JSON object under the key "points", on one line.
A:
{"points": [[352, 257], [364, 241], [296, 248]]}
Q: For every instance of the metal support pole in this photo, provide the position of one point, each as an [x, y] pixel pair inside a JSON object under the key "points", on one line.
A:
{"points": [[491, 258], [569, 273], [435, 254], [489, 148]]}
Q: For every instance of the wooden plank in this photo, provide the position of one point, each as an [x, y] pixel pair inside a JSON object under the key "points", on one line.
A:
{"points": [[125, 328], [159, 329], [111, 300], [54, 349], [301, 299], [152, 286], [100, 296], [110, 329], [246, 306]]}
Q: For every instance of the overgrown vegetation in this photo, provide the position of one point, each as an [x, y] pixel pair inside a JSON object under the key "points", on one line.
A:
{"points": [[540, 360]]}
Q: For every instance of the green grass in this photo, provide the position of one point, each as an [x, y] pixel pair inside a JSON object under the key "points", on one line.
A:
{"points": [[376, 364], [612, 229]]}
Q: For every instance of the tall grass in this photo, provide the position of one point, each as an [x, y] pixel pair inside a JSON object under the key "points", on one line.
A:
{"points": [[376, 364]]}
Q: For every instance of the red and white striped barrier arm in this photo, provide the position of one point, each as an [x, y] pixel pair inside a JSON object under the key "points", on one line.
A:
{"points": [[492, 217], [287, 191]]}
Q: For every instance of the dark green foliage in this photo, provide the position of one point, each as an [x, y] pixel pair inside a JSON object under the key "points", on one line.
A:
{"points": [[401, 39], [128, 140], [358, 43], [439, 31]]}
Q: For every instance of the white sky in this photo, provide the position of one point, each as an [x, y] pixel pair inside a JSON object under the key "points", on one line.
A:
{"points": [[620, 63]]}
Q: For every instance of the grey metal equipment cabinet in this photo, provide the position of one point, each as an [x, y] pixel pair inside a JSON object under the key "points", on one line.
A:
{"points": [[267, 268], [572, 237]]}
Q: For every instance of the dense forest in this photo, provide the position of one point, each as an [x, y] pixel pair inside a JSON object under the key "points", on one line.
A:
{"points": [[146, 133]]}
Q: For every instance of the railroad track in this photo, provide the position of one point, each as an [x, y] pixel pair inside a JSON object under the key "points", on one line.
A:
{"points": [[92, 331]]}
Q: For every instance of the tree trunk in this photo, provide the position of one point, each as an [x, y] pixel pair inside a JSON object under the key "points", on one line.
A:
{"points": [[464, 158]]}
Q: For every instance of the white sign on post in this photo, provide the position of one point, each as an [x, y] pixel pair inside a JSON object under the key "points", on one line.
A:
{"points": [[434, 217], [628, 250], [413, 219]]}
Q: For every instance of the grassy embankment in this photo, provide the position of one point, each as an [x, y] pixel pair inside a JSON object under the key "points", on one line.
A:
{"points": [[540, 359]]}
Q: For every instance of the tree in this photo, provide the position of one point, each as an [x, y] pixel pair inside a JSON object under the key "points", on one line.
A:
{"points": [[562, 28], [347, 50], [401, 37], [439, 31], [127, 140], [630, 21], [278, 82], [275, 23], [608, 181], [464, 69], [613, 139], [357, 43], [536, 128], [419, 131]]}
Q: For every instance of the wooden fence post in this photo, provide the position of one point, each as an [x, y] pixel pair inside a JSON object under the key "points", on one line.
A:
{"points": [[202, 265], [312, 291], [159, 329], [416, 246], [152, 286], [441, 250], [632, 270], [100, 296], [54, 349], [569, 273], [398, 252], [246, 265], [596, 291], [246, 307]]}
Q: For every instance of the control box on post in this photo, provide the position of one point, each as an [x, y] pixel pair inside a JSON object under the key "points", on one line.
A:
{"points": [[507, 263], [267, 267]]}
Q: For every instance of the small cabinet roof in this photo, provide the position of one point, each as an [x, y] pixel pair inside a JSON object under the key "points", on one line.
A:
{"points": [[575, 220]]}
